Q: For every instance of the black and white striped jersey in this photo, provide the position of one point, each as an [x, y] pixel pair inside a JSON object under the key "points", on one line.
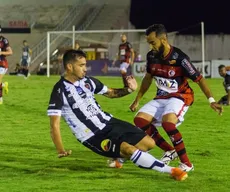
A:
{"points": [[76, 103]]}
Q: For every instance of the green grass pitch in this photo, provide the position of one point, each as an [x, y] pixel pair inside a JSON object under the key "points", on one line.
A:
{"points": [[28, 160]]}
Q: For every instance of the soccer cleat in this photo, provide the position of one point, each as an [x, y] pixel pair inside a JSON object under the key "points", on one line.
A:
{"points": [[114, 163], [5, 88], [169, 156], [185, 167], [178, 174]]}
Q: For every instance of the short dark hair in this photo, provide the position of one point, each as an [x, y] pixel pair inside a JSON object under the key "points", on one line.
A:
{"points": [[72, 55], [158, 28], [220, 67], [24, 41]]}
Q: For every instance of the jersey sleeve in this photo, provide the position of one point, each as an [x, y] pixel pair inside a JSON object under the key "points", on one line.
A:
{"points": [[99, 87], [190, 70], [129, 45], [56, 102], [227, 83], [149, 57], [6, 42]]}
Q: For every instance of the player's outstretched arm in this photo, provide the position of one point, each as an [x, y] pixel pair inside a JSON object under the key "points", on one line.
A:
{"points": [[116, 93], [56, 136], [214, 105], [145, 84]]}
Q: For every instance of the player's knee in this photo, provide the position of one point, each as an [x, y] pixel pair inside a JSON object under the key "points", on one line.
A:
{"points": [[123, 72], [146, 144], [141, 122]]}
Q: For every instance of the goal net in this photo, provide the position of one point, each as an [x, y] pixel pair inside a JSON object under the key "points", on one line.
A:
{"points": [[101, 47]]}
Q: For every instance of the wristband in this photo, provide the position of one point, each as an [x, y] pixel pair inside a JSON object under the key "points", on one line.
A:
{"points": [[211, 100], [130, 90]]}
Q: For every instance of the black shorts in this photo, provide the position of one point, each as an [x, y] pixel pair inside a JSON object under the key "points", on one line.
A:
{"points": [[24, 63], [224, 100], [107, 142]]}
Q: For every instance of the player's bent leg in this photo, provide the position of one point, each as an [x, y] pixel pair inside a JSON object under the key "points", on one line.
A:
{"points": [[169, 124], [1, 87], [6, 87], [124, 76], [123, 71], [147, 161], [143, 121]]}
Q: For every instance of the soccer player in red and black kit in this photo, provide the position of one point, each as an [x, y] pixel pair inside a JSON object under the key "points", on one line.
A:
{"points": [[170, 68], [225, 100], [126, 57], [5, 50]]}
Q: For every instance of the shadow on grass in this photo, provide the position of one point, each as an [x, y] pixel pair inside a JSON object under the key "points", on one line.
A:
{"points": [[82, 164]]}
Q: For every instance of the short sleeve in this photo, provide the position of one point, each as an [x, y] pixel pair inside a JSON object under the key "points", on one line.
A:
{"points": [[149, 59], [190, 70], [6, 42], [100, 88], [129, 45], [56, 102], [227, 82]]}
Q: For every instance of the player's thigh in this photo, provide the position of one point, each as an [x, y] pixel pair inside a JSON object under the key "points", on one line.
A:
{"points": [[124, 66], [108, 142], [151, 111], [145, 144], [2, 73], [174, 111]]}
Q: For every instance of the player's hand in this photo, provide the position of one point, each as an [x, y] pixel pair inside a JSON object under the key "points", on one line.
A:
{"points": [[134, 105], [217, 107], [64, 153], [132, 83]]}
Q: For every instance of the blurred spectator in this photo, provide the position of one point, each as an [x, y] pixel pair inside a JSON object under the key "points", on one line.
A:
{"points": [[225, 100], [26, 58], [77, 46]]}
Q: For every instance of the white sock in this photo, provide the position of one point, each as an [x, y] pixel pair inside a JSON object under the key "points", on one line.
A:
{"points": [[3, 85], [147, 161]]}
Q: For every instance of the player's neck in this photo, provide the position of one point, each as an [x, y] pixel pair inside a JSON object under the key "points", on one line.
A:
{"points": [[166, 50]]}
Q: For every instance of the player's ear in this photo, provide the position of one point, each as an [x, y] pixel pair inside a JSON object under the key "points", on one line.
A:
{"points": [[69, 66]]}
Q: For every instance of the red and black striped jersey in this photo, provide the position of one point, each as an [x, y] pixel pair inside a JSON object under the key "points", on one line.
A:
{"points": [[125, 52], [4, 43], [171, 74]]}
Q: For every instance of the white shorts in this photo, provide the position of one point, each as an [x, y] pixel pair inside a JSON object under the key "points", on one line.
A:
{"points": [[160, 107], [124, 66], [3, 70]]}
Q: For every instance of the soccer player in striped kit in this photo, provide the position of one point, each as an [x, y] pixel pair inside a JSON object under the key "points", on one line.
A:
{"points": [[5, 50], [73, 98], [170, 68], [126, 57]]}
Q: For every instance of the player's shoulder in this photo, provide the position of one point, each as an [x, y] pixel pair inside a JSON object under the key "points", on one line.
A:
{"points": [[128, 43], [179, 55], [227, 77], [4, 39], [59, 84], [150, 55], [91, 79]]}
